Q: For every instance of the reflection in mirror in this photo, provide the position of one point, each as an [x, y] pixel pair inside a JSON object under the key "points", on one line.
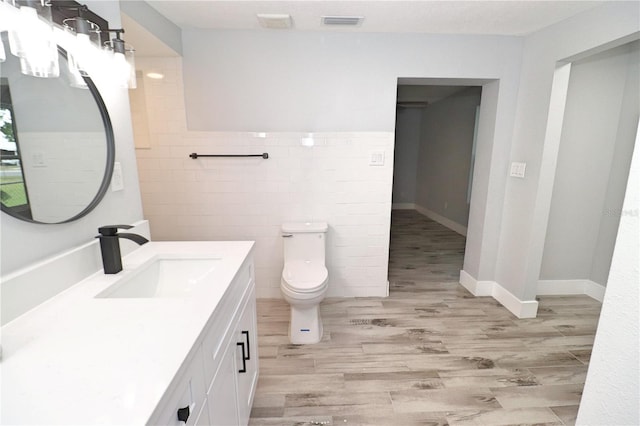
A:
{"points": [[57, 145], [13, 191]]}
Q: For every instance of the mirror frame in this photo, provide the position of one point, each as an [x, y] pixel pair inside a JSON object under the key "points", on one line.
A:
{"points": [[111, 153]]}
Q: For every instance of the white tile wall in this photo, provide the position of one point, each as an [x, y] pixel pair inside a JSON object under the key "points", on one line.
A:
{"points": [[248, 198]]}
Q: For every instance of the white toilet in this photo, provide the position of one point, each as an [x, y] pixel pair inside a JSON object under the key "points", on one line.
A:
{"points": [[304, 278]]}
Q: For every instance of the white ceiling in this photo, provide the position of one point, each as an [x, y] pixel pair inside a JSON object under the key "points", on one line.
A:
{"points": [[510, 17]]}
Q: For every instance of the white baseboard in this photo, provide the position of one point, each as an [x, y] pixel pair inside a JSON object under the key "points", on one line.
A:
{"points": [[594, 290], [520, 308], [477, 288], [568, 287], [403, 206], [454, 226]]}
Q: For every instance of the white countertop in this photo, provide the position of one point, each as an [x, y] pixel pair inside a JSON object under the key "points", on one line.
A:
{"points": [[77, 359]]}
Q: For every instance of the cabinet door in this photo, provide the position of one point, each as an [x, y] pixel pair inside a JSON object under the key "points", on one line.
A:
{"points": [[247, 358], [203, 417], [221, 398], [186, 398]]}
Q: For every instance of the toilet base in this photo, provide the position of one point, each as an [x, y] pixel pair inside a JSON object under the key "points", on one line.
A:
{"points": [[306, 325]]}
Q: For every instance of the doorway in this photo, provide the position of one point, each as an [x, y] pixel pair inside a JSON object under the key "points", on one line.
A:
{"points": [[435, 135]]}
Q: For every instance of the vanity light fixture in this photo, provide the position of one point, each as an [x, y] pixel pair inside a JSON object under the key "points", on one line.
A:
{"points": [[86, 41], [31, 38], [34, 37], [123, 61], [155, 75]]}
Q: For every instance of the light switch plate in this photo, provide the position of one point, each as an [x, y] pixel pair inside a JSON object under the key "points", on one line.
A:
{"points": [[117, 181], [38, 159], [377, 158], [518, 169]]}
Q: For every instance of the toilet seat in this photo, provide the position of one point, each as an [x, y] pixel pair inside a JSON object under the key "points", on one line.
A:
{"points": [[304, 276]]}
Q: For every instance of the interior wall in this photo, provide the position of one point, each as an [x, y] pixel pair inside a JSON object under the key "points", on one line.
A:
{"points": [[444, 158], [527, 201], [24, 243], [321, 81], [624, 147], [262, 81], [612, 389], [249, 199], [405, 160], [582, 221], [324, 82]]}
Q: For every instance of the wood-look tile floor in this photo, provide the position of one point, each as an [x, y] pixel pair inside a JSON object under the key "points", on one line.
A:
{"points": [[429, 354]]}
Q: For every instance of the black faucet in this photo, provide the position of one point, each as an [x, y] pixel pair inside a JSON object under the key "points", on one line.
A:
{"points": [[110, 246]]}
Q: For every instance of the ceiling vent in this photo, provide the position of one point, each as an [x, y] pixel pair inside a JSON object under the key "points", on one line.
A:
{"points": [[342, 20], [275, 20]]}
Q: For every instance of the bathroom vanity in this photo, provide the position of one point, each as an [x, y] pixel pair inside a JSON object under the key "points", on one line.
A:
{"points": [[170, 340]]}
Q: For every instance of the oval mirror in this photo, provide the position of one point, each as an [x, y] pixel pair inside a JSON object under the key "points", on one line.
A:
{"points": [[56, 144]]}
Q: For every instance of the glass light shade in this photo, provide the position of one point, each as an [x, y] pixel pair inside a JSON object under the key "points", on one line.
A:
{"points": [[84, 45], [19, 33], [123, 64], [27, 27], [132, 82], [42, 64], [32, 41], [76, 79], [121, 69], [7, 15]]}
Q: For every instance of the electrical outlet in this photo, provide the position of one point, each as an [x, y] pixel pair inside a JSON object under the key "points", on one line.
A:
{"points": [[377, 158], [117, 181]]}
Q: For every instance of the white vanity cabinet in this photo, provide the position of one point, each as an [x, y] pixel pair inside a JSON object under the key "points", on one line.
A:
{"points": [[218, 383], [232, 386], [247, 358], [169, 354]]}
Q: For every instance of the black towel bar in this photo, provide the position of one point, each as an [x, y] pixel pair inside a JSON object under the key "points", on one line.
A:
{"points": [[195, 156]]}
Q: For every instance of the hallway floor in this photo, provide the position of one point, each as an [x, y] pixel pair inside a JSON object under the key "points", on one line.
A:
{"points": [[429, 354]]}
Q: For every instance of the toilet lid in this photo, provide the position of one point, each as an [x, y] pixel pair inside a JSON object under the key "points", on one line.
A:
{"points": [[304, 276]]}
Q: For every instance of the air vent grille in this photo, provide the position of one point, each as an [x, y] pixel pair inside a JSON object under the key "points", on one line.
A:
{"points": [[342, 20], [274, 20]]}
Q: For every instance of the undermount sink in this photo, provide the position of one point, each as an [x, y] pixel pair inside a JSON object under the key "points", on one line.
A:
{"points": [[162, 277]]}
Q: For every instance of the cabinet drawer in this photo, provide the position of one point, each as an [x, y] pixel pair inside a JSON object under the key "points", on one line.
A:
{"points": [[184, 399], [219, 329]]}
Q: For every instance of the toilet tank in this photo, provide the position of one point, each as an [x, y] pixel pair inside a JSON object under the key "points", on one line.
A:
{"points": [[304, 241]]}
